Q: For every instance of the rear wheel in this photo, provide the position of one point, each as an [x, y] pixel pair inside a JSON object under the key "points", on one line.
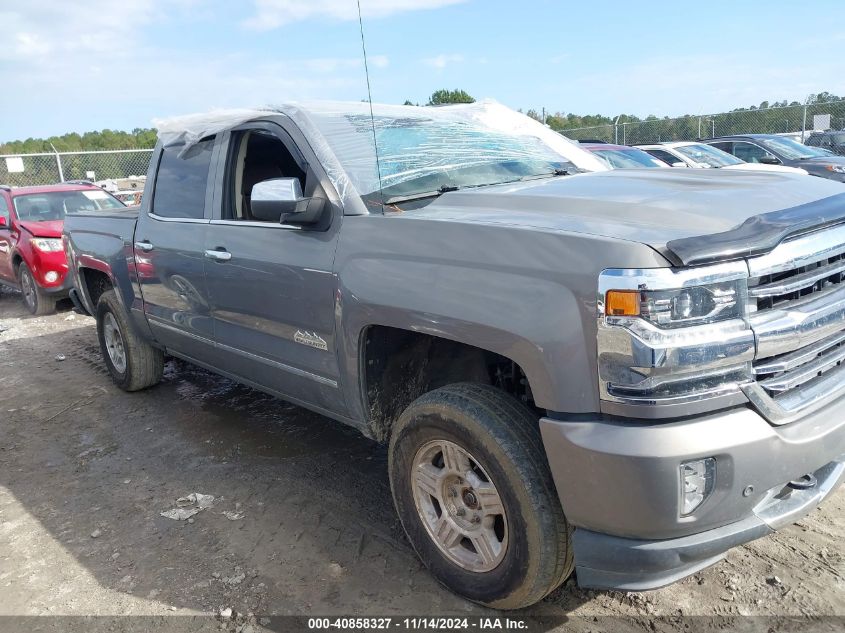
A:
{"points": [[473, 489], [34, 298], [133, 363]]}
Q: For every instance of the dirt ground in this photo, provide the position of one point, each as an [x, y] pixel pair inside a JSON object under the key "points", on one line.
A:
{"points": [[86, 470]]}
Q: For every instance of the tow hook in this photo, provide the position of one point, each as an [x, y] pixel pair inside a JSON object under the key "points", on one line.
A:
{"points": [[805, 482]]}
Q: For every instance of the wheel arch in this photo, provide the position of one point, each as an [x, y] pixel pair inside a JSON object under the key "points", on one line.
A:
{"points": [[396, 365]]}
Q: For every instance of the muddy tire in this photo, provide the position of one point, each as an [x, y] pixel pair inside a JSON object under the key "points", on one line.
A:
{"points": [[34, 298], [473, 490], [133, 363]]}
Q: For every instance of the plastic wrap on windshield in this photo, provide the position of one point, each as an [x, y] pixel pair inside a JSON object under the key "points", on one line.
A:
{"points": [[500, 117], [415, 141]]}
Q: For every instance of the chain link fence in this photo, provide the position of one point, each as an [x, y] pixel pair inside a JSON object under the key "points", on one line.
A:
{"points": [[19, 170], [799, 120]]}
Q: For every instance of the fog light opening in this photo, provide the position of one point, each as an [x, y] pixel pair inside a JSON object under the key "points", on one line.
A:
{"points": [[51, 276], [697, 479]]}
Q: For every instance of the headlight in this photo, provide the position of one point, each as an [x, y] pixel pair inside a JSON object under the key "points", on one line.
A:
{"points": [[672, 337], [839, 169], [47, 245], [679, 307]]}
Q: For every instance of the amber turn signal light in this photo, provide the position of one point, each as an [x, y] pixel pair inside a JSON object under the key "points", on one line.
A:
{"points": [[622, 303]]}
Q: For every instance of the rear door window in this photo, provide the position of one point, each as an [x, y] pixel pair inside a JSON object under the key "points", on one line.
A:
{"points": [[665, 156], [724, 146], [181, 181], [749, 152]]}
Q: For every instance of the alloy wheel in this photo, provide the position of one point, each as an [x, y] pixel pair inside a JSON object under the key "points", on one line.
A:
{"points": [[459, 506]]}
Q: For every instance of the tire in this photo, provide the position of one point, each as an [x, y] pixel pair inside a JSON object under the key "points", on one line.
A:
{"points": [[502, 439], [143, 364], [34, 298]]}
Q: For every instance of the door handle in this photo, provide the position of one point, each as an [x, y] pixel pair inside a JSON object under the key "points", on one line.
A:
{"points": [[144, 246], [218, 256]]}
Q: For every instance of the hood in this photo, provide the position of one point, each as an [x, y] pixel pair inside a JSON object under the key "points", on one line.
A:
{"points": [[823, 160], [51, 228], [671, 210]]}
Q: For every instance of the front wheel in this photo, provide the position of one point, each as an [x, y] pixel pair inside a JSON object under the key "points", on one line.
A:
{"points": [[133, 363], [36, 300], [474, 493]]}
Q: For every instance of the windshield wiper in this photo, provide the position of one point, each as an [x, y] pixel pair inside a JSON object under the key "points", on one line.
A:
{"points": [[548, 174], [422, 195], [447, 188]]}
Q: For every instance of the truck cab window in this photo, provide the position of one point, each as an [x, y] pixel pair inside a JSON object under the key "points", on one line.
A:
{"points": [[257, 156], [4, 210], [181, 181]]}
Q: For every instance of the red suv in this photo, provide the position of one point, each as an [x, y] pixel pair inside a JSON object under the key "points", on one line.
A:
{"points": [[32, 258]]}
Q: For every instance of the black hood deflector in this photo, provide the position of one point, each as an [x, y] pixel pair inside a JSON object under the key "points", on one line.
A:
{"points": [[758, 234]]}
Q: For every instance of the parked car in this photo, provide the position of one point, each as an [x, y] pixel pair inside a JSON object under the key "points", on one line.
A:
{"points": [[831, 140], [129, 197], [32, 258], [701, 155], [771, 149], [623, 156], [622, 373]]}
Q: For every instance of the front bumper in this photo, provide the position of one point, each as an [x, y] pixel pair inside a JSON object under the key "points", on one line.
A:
{"points": [[619, 485], [59, 290]]}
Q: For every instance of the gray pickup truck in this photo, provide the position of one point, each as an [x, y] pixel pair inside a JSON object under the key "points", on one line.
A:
{"points": [[622, 374]]}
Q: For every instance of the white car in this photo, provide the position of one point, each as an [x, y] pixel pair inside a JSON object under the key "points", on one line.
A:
{"points": [[701, 155]]}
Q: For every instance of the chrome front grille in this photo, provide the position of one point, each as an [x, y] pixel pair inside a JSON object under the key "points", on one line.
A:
{"points": [[797, 311], [796, 284]]}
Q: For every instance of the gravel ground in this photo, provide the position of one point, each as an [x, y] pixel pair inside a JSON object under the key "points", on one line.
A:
{"points": [[302, 521]]}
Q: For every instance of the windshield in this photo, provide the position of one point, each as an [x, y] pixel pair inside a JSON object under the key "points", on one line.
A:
{"points": [[628, 158], [423, 154], [793, 150], [707, 154], [424, 150], [54, 205]]}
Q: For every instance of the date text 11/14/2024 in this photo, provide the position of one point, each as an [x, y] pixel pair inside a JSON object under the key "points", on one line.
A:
{"points": [[418, 623]]}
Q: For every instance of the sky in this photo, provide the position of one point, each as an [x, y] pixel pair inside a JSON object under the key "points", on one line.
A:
{"points": [[118, 64]]}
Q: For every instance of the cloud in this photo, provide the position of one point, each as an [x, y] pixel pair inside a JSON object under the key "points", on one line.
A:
{"points": [[107, 66], [443, 60], [378, 61], [271, 14], [44, 28]]}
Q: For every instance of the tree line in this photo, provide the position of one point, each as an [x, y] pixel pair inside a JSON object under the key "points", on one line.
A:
{"points": [[766, 118]]}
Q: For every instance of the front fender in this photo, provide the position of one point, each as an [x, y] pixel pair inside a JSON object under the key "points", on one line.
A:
{"points": [[529, 296]]}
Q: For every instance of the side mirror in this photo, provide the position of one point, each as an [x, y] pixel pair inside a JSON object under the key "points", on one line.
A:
{"points": [[281, 200], [4, 223], [769, 160]]}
